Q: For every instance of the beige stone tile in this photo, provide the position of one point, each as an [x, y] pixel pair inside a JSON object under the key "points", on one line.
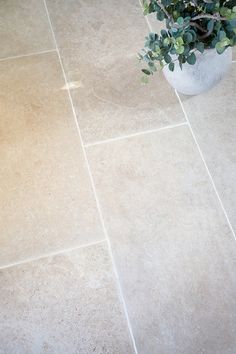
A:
{"points": [[212, 116], [24, 28], [156, 26], [46, 202], [109, 98], [63, 304], [174, 251]]}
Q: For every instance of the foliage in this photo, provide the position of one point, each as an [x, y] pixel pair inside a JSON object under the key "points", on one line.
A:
{"points": [[191, 27]]}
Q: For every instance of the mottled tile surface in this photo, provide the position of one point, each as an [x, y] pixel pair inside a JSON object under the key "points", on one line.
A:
{"points": [[213, 119], [173, 248], [108, 96], [63, 304], [24, 28], [46, 202]]}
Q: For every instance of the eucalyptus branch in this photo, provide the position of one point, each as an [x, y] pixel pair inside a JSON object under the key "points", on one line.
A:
{"points": [[194, 24], [165, 11], [207, 34], [216, 17]]}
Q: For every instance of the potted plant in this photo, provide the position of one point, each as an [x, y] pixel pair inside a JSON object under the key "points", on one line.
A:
{"points": [[194, 49]]}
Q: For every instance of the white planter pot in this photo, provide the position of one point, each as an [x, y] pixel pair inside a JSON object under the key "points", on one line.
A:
{"points": [[208, 70]]}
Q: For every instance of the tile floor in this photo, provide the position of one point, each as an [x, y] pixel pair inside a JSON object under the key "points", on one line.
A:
{"points": [[117, 201]]}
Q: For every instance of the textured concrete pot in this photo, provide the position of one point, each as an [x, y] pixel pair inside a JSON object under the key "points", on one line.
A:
{"points": [[208, 70]]}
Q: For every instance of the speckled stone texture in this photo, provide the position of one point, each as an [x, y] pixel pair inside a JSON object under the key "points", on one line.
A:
{"points": [[172, 244], [63, 304], [113, 239], [46, 198]]}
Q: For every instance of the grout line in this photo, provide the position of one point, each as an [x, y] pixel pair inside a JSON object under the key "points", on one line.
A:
{"points": [[52, 254], [128, 136], [140, 133], [28, 55], [208, 171], [94, 190], [146, 18]]}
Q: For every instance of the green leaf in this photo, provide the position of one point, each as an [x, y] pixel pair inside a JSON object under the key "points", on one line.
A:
{"points": [[200, 47], [145, 8], [179, 50], [220, 50], [188, 37], [191, 59], [210, 25], [180, 21], [194, 34], [146, 72], [186, 50], [171, 66], [164, 33], [175, 14], [167, 58], [222, 35], [167, 41], [225, 42], [180, 62], [179, 41], [160, 15], [157, 50], [166, 2], [152, 36], [220, 46], [174, 30], [152, 66]]}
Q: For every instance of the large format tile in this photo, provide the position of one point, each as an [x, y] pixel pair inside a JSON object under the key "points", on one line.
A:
{"points": [[24, 27], [212, 116], [46, 203], [64, 304], [174, 251], [99, 46]]}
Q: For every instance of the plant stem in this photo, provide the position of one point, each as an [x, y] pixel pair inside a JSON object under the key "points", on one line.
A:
{"points": [[206, 34], [216, 17], [194, 24], [164, 10]]}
